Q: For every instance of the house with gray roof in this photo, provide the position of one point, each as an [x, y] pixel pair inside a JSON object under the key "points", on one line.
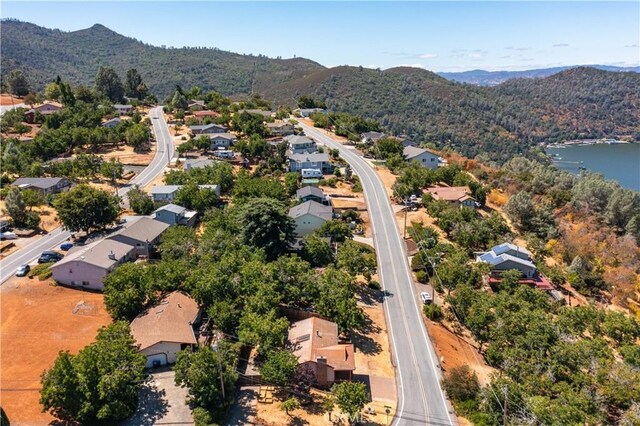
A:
{"points": [[310, 216], [222, 140], [424, 157], [112, 123], [372, 137], [206, 129], [508, 256], [46, 186], [87, 266], [197, 163], [280, 128], [301, 144], [319, 161], [167, 193], [174, 214], [142, 234], [312, 193], [123, 109], [306, 112]]}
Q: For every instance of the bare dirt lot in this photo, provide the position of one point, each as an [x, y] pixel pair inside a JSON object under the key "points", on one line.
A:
{"points": [[126, 155], [39, 320]]}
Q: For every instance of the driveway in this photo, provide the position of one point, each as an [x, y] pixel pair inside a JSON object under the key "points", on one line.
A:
{"points": [[161, 402]]}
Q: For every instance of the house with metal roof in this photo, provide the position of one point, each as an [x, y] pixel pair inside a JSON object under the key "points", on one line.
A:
{"points": [[508, 256], [205, 129], [44, 185], [310, 216], [87, 266], [222, 140], [142, 234], [312, 193], [301, 144], [174, 214], [319, 161]]}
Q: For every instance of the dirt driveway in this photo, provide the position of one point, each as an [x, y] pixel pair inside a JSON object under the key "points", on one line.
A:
{"points": [[39, 320]]}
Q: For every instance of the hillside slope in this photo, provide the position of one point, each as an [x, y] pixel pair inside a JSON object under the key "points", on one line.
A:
{"points": [[43, 53], [501, 120]]}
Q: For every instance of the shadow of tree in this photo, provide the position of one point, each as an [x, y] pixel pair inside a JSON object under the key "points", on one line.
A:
{"points": [[152, 405], [243, 410], [362, 340]]}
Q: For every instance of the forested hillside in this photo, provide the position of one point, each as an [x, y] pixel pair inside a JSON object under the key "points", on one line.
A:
{"points": [[500, 121], [42, 54]]}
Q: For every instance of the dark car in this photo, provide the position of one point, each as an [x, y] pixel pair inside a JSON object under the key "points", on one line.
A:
{"points": [[49, 256], [23, 270], [66, 246]]}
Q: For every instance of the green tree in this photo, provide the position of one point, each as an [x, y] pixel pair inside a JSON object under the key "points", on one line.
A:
{"points": [[264, 223], [126, 291], [461, 384], [112, 170], [15, 206], [351, 397], [134, 86], [108, 84], [17, 83], [139, 201], [32, 198], [179, 100], [100, 384], [521, 210], [137, 136], [178, 242], [290, 404], [191, 196], [52, 91], [335, 299], [355, 258], [387, 147], [200, 372], [292, 183], [279, 367], [337, 230], [267, 331], [83, 208], [317, 251]]}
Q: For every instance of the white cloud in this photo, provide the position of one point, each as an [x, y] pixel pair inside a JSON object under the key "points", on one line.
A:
{"points": [[517, 48], [561, 45], [427, 56]]}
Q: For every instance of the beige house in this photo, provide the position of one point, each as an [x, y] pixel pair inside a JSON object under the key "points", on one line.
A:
{"points": [[280, 128], [315, 342], [86, 266], [310, 216], [166, 328], [456, 195]]}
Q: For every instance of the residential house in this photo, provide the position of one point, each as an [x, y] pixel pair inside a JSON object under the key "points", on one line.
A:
{"points": [[123, 109], [166, 328], [404, 140], [111, 123], [167, 193], [196, 105], [455, 195], [197, 163], [372, 137], [309, 216], [314, 341], [424, 157], [306, 112], [45, 186], [174, 214], [280, 128], [319, 161], [142, 234], [301, 144], [201, 116], [222, 140], [86, 266], [206, 129], [311, 193], [509, 256], [47, 108]]}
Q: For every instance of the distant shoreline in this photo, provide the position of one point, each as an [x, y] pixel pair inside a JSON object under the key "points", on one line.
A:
{"points": [[586, 142]]}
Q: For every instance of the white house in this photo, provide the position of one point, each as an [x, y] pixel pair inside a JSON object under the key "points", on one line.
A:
{"points": [[310, 216], [320, 161], [207, 129], [111, 123], [508, 256], [371, 137], [167, 193], [165, 329], [222, 140], [424, 157], [86, 266]]}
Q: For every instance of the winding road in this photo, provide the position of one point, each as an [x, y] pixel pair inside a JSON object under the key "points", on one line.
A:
{"points": [[164, 153], [420, 398]]}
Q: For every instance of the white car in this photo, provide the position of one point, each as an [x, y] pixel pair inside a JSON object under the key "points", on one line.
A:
{"points": [[8, 236], [426, 298]]}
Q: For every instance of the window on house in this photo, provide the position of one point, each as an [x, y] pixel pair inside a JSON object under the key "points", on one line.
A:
{"points": [[85, 283]]}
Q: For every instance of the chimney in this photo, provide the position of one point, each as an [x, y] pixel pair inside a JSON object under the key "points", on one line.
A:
{"points": [[112, 255]]}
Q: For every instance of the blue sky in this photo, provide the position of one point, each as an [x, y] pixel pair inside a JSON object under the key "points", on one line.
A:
{"points": [[439, 36]]}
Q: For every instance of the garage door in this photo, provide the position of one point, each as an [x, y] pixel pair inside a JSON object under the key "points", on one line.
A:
{"points": [[161, 358]]}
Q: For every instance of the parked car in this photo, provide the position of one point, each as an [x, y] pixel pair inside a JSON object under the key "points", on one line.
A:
{"points": [[426, 298], [49, 256], [66, 246], [8, 236], [23, 270]]}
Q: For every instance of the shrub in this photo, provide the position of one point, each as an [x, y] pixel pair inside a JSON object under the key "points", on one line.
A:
{"points": [[201, 417], [432, 311], [422, 276], [39, 269], [461, 384]]}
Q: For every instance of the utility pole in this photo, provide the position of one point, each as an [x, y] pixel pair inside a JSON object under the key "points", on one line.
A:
{"points": [[404, 235], [504, 418], [220, 372]]}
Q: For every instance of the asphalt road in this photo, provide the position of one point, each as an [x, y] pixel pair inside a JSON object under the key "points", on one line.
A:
{"points": [[164, 152], [420, 398]]}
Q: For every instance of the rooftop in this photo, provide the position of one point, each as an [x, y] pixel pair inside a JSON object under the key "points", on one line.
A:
{"points": [[316, 157], [314, 338], [164, 189], [309, 190], [173, 208], [104, 253], [449, 193], [313, 208], [143, 229], [410, 152], [42, 183], [171, 320]]}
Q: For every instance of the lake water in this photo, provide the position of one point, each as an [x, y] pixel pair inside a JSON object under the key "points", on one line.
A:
{"points": [[620, 162]]}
